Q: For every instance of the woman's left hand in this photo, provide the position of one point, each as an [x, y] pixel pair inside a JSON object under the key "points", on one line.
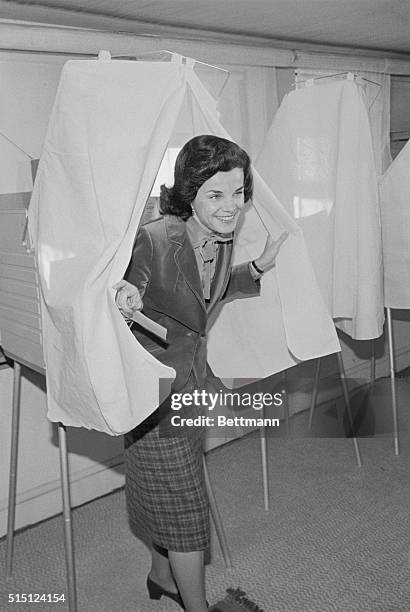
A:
{"points": [[268, 258]]}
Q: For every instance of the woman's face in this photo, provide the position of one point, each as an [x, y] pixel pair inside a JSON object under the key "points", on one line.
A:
{"points": [[219, 201]]}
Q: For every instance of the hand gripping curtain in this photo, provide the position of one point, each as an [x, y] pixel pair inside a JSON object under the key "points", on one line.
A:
{"points": [[318, 158], [109, 129]]}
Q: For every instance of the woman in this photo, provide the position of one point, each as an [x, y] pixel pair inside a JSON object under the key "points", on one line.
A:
{"points": [[179, 272]]}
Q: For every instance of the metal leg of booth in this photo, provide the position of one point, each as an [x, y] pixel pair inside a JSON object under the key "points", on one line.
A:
{"points": [[315, 392], [68, 530], [264, 451], [373, 363], [346, 398], [216, 517], [264, 459], [15, 425], [348, 408], [393, 382], [285, 396]]}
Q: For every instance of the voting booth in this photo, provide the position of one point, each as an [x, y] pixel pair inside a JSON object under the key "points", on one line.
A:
{"points": [[109, 130]]}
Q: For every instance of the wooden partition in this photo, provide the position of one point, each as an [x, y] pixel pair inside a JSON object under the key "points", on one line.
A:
{"points": [[20, 323]]}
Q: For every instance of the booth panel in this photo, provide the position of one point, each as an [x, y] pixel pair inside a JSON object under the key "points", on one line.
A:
{"points": [[20, 323]]}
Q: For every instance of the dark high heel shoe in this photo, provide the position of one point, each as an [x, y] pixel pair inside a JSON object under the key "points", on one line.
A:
{"points": [[156, 591]]}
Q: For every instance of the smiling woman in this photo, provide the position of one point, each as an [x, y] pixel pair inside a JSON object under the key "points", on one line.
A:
{"points": [[179, 272]]}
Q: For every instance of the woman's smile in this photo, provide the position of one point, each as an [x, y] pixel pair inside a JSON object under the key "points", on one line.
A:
{"points": [[230, 216]]}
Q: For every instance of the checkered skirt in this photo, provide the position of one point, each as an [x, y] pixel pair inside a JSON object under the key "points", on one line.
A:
{"points": [[165, 489]]}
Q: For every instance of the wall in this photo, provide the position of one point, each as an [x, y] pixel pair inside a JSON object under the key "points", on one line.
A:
{"points": [[29, 83]]}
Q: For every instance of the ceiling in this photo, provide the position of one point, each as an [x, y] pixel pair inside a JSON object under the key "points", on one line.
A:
{"points": [[378, 27]]}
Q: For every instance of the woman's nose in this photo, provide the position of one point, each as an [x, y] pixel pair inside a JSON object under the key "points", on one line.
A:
{"points": [[231, 204]]}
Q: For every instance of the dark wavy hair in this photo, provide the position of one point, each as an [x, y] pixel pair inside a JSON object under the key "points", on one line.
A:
{"points": [[199, 159]]}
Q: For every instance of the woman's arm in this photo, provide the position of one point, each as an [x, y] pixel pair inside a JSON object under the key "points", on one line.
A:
{"points": [[241, 283], [245, 278]]}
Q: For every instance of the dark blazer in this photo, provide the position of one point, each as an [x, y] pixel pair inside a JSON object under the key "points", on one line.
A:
{"points": [[164, 268]]}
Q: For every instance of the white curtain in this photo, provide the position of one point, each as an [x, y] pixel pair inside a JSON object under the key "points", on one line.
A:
{"points": [[375, 88], [395, 207], [107, 133], [318, 158], [110, 126]]}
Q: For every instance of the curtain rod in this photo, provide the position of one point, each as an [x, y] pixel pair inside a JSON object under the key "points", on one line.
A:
{"points": [[331, 75], [35, 38]]}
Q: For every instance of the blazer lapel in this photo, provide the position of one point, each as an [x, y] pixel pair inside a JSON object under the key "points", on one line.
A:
{"points": [[221, 277], [184, 257]]}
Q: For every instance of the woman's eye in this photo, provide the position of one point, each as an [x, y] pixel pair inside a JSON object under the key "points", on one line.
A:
{"points": [[216, 196]]}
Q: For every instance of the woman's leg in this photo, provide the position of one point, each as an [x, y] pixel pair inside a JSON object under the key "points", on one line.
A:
{"points": [[188, 570], [161, 572], [166, 494]]}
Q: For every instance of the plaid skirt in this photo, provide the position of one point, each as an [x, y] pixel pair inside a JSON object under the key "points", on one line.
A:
{"points": [[165, 487]]}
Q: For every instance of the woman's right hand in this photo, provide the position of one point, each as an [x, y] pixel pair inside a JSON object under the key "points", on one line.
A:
{"points": [[127, 298]]}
